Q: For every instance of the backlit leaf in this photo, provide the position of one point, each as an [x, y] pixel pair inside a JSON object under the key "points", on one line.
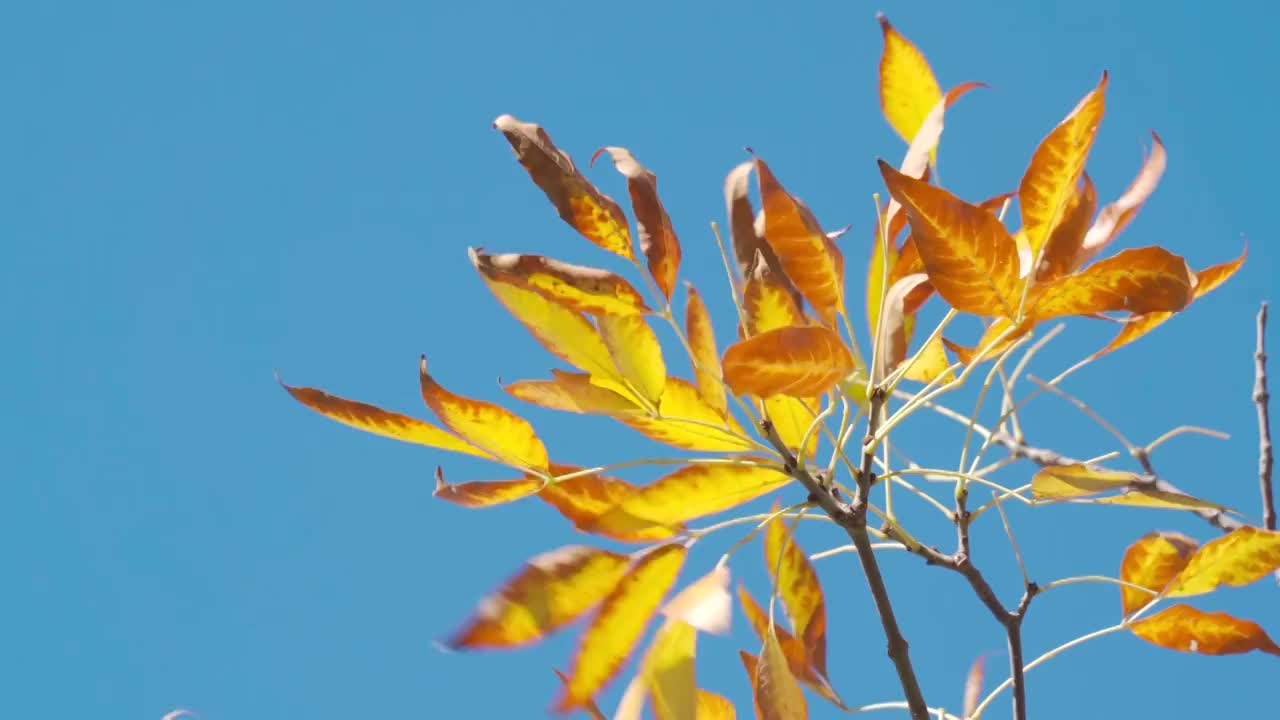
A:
{"points": [[798, 587], [1184, 628], [705, 604], [1137, 280], [1158, 499], [1115, 216], [802, 362], [767, 303], [1239, 558], [552, 590], [1050, 180], [586, 500], [714, 707], [792, 648], [658, 240], [668, 670], [777, 693], [1068, 481], [591, 709], [375, 420], [486, 493], [617, 627], [1062, 249], [970, 258], [749, 248], [492, 428], [908, 89], [688, 422], [695, 491], [1151, 562], [592, 213], [996, 339], [809, 258], [882, 254], [572, 392], [587, 289], [1206, 280], [706, 359], [792, 417], [636, 354], [931, 363]]}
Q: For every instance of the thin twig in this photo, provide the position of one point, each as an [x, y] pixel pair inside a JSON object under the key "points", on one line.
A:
{"points": [[1008, 529], [1262, 398]]}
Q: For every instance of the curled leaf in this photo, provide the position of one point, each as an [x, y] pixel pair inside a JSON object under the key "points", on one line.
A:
{"points": [[1115, 216], [802, 362], [705, 357], [492, 428], [705, 604], [768, 303], [892, 327], [658, 240], [749, 248]]}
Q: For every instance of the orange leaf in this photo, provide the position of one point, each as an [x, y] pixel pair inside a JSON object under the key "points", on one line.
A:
{"points": [[695, 491], [587, 289], [792, 648], [586, 500], [1138, 280], [705, 604], [492, 428], [750, 663], [591, 709], [1238, 558], [1151, 562], [908, 89], [714, 707], [1186, 629], [973, 686], [1115, 216], [994, 340], [636, 354], [592, 213], [800, 591], [618, 625], [1063, 246], [971, 260], [380, 422], [808, 257], [777, 693], [572, 392], [668, 670], [1206, 280], [705, 357], [749, 248], [767, 303], [486, 493], [552, 590], [1050, 180], [686, 421], [658, 240], [802, 362]]}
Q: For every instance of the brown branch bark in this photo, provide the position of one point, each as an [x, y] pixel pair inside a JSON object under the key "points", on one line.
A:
{"points": [[1262, 399]]}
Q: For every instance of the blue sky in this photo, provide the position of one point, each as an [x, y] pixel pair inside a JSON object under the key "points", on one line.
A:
{"points": [[196, 194]]}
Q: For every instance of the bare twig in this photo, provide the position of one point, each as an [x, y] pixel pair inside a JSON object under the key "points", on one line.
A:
{"points": [[1262, 398]]}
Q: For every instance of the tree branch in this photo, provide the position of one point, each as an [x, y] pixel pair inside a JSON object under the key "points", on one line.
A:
{"points": [[1262, 399]]}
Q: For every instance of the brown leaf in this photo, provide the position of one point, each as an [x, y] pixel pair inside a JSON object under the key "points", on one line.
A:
{"points": [[973, 686], [777, 693], [1063, 246], [893, 325], [793, 648], [808, 257], [749, 248], [658, 240], [589, 290], [1151, 562], [970, 258], [592, 213], [801, 362], [704, 355], [1186, 629], [1138, 280], [1115, 216]]}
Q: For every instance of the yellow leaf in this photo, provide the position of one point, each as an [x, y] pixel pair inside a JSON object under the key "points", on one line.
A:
{"points": [[1187, 629], [686, 421], [1138, 280], [586, 499], [714, 707], [636, 354], [1062, 249], [1068, 481], [591, 709], [802, 362], [777, 693], [791, 417], [970, 258], [552, 590], [1239, 558], [1115, 216], [669, 672], [1159, 499], [380, 422], [695, 491], [792, 648], [808, 257], [932, 363], [587, 289], [658, 240], [705, 604], [767, 302], [908, 89], [572, 392], [1151, 562], [705, 357], [618, 625], [1050, 180], [801, 593], [486, 493], [876, 275], [592, 213], [490, 427]]}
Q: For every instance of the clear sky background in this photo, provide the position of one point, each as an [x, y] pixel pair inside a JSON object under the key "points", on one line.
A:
{"points": [[193, 194]]}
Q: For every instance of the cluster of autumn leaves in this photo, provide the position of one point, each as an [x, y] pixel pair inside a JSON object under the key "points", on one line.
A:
{"points": [[790, 363]]}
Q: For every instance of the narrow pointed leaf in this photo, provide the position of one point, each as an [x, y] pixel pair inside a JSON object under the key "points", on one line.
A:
{"points": [[884, 256], [689, 423], [1070, 481], [375, 420], [592, 213], [802, 362], [658, 240], [620, 622], [1050, 180], [768, 304], [1137, 280], [751, 663], [1241, 557], [1062, 248], [970, 258], [695, 491], [572, 392], [801, 593], [1115, 216], [668, 670], [636, 354], [1186, 629], [487, 493], [586, 500], [908, 89], [706, 359], [587, 289], [714, 707], [552, 590], [496, 430], [1151, 562], [591, 709], [1157, 499], [793, 648], [749, 248], [892, 328], [634, 698], [705, 604], [973, 686], [777, 693], [809, 258]]}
